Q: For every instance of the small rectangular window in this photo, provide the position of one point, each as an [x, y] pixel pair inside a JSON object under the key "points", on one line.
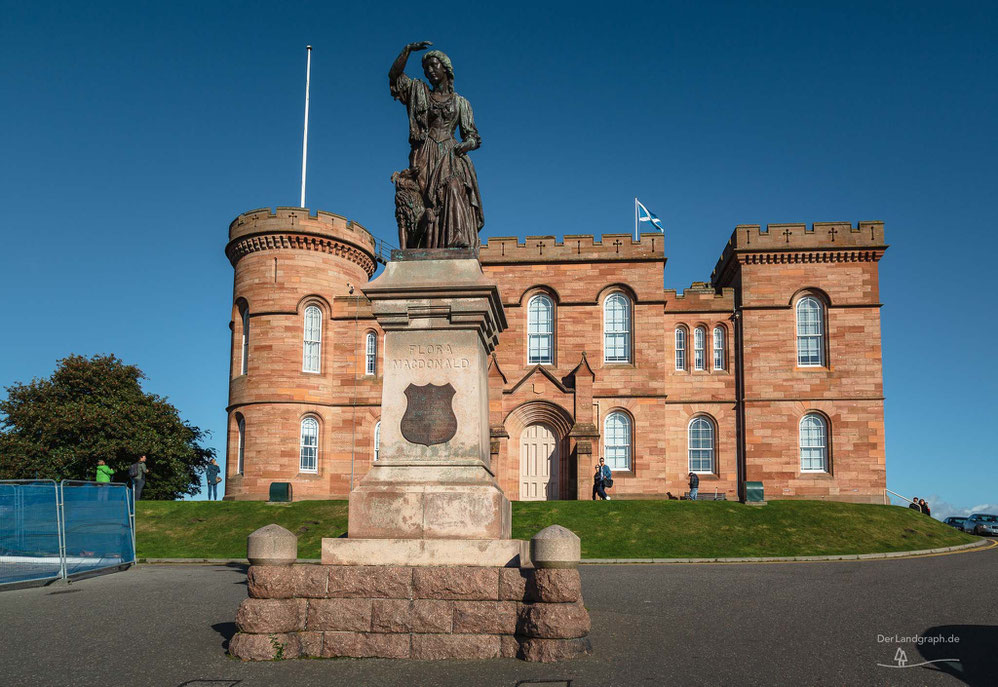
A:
{"points": [[371, 363], [680, 349], [718, 348], [699, 349]]}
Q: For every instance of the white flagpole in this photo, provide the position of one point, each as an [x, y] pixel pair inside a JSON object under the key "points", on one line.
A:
{"points": [[304, 143], [635, 218]]}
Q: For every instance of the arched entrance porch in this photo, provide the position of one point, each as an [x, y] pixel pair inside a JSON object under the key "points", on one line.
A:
{"points": [[537, 467]]}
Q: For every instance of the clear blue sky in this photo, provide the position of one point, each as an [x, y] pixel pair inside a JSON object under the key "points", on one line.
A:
{"points": [[133, 133]]}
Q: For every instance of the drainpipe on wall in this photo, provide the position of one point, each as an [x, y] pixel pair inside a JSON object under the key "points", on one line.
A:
{"points": [[739, 403]]}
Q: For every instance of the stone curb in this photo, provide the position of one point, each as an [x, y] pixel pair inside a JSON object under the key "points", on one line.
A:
{"points": [[784, 559], [632, 561]]}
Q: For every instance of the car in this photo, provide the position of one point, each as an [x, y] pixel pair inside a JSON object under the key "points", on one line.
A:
{"points": [[955, 521], [981, 524]]}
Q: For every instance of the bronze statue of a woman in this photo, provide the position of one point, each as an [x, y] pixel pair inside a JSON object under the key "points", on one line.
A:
{"points": [[437, 202]]}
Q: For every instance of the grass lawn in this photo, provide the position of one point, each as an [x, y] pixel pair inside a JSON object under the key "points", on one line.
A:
{"points": [[608, 529]]}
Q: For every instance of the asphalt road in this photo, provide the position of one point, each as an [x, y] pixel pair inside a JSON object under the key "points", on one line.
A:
{"points": [[740, 624]]}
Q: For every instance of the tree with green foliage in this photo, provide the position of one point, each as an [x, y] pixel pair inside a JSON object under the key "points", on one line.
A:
{"points": [[94, 409]]}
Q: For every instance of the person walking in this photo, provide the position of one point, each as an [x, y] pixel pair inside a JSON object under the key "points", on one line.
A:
{"points": [[103, 479], [602, 478], [694, 486], [212, 476], [137, 472]]}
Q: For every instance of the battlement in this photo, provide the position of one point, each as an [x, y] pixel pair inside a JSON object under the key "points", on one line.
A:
{"points": [[283, 219], [506, 250], [297, 228], [700, 297], [797, 237]]}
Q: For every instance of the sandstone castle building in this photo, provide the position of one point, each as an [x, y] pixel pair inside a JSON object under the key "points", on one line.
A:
{"points": [[770, 372]]}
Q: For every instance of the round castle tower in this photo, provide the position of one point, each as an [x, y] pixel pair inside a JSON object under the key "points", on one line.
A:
{"points": [[296, 352]]}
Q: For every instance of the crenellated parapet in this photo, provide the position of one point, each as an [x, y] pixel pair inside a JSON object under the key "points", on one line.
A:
{"points": [[288, 228], [700, 297], [800, 243], [507, 250]]}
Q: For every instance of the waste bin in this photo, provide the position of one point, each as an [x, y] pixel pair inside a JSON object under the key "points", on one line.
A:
{"points": [[754, 493], [280, 492]]}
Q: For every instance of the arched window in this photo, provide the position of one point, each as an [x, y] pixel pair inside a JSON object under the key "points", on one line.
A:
{"points": [[813, 443], [312, 340], [718, 348], [371, 357], [680, 348], [810, 333], [699, 348], [377, 440], [540, 331], [617, 441], [617, 329], [309, 445], [244, 362], [701, 445], [241, 443]]}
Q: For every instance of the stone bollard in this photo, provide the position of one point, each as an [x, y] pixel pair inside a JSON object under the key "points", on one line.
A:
{"points": [[555, 547], [272, 545]]}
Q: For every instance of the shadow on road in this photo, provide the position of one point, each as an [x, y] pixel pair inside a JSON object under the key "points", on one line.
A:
{"points": [[976, 652], [240, 568], [227, 630]]}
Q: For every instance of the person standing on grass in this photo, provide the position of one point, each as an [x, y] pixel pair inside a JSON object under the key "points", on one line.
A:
{"points": [[211, 475], [914, 504], [694, 486], [925, 507], [137, 473]]}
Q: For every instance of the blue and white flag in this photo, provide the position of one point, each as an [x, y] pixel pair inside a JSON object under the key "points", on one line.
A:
{"points": [[643, 214]]}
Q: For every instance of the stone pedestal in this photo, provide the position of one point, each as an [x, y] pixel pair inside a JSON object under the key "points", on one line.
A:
{"points": [[433, 480], [385, 611], [428, 569]]}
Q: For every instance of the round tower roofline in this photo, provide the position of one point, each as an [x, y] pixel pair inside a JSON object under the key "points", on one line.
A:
{"points": [[296, 228]]}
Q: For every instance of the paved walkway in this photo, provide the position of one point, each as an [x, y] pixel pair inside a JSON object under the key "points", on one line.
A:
{"points": [[823, 623]]}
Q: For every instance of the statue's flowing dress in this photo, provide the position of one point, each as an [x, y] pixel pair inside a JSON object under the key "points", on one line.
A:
{"points": [[447, 181]]}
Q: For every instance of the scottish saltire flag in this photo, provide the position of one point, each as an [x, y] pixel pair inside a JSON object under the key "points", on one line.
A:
{"points": [[642, 214]]}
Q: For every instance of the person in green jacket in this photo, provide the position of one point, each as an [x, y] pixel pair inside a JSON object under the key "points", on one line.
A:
{"points": [[104, 472], [104, 475]]}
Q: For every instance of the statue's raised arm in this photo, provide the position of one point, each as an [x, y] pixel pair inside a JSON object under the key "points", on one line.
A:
{"points": [[437, 201]]}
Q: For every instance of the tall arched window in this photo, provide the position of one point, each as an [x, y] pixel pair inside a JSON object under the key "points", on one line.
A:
{"points": [[377, 440], [700, 348], [309, 445], [244, 362], [617, 441], [701, 445], [312, 345], [540, 331], [718, 348], [810, 333], [617, 329], [680, 348], [371, 354], [241, 443], [813, 443]]}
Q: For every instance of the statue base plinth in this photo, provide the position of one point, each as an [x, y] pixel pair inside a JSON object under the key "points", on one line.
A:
{"points": [[432, 480], [495, 553]]}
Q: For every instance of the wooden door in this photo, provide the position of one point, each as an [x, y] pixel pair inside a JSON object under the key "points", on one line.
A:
{"points": [[539, 462]]}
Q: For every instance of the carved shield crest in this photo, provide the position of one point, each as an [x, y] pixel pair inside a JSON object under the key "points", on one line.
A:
{"points": [[429, 416]]}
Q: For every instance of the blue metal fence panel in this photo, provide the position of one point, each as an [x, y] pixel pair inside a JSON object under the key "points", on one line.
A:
{"points": [[30, 536], [97, 532], [50, 531]]}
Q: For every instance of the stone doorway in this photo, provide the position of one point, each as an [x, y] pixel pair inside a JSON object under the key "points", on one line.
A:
{"points": [[540, 459]]}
